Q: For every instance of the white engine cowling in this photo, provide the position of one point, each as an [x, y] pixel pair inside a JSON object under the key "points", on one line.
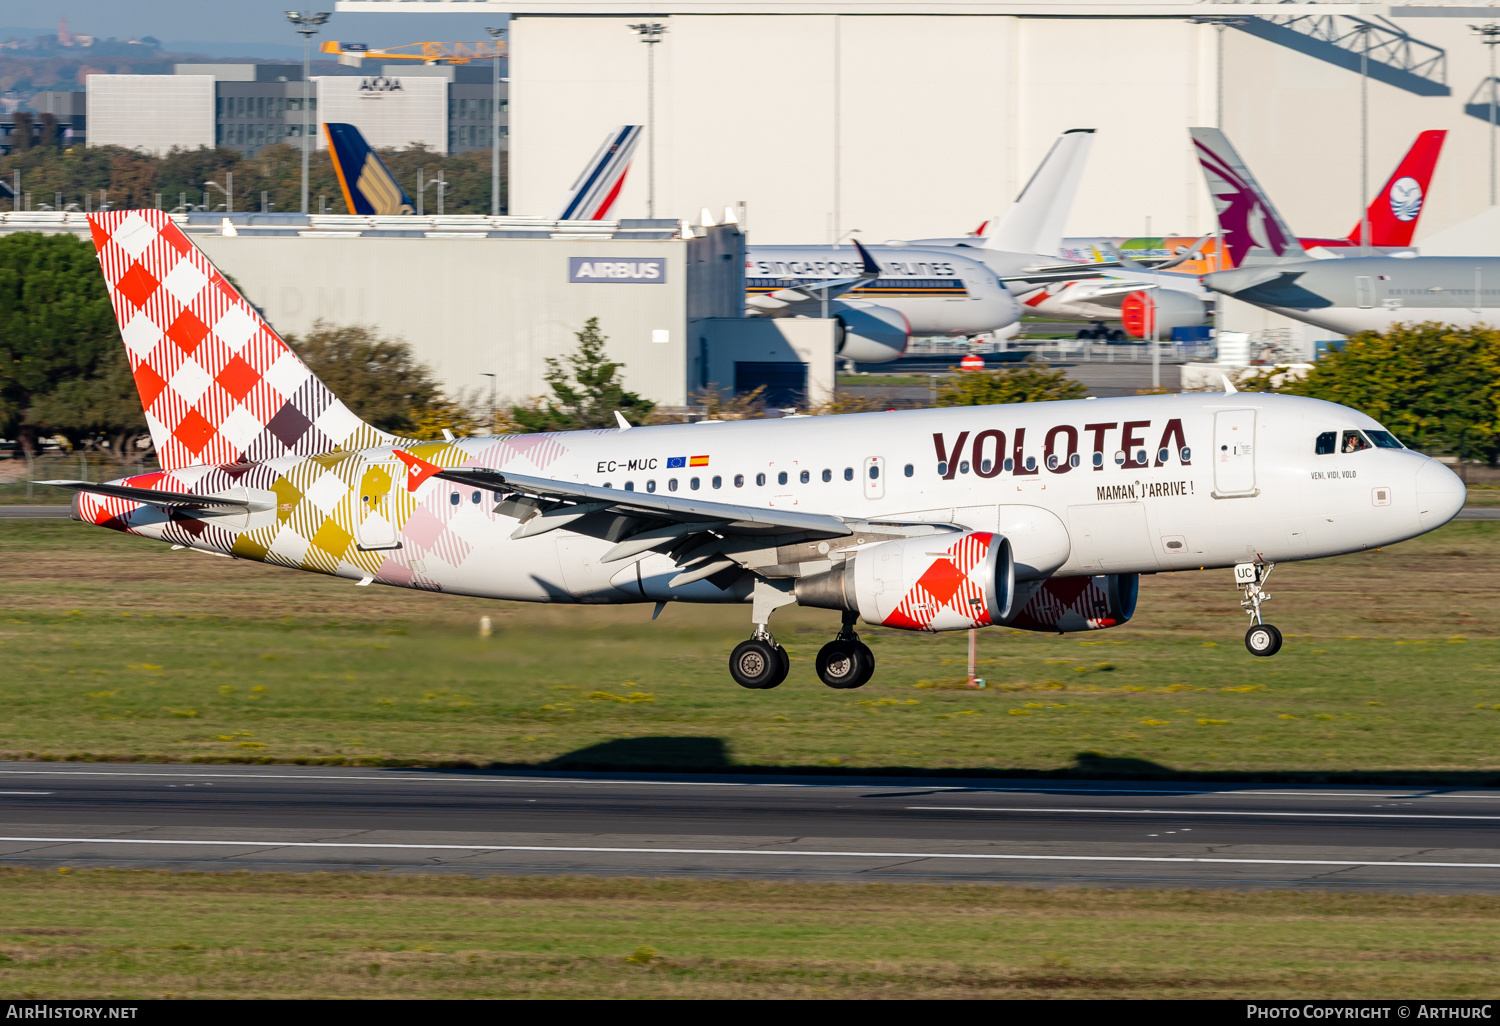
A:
{"points": [[945, 582], [1064, 604], [870, 333]]}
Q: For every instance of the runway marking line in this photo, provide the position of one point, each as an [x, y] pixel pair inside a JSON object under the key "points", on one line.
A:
{"points": [[1193, 812], [753, 851], [1229, 793]]}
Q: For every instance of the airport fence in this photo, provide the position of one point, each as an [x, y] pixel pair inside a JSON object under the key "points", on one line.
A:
{"points": [[20, 474]]}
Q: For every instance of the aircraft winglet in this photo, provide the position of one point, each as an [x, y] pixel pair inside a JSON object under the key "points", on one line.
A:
{"points": [[1229, 388], [625, 425]]}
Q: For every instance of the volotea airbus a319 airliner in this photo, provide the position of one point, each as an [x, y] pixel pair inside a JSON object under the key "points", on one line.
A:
{"points": [[1037, 516]]}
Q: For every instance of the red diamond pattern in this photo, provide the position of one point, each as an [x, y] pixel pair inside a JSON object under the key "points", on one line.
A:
{"points": [[194, 432], [136, 285], [187, 331], [238, 378]]}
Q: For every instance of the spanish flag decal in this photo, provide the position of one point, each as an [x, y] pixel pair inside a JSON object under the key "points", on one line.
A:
{"points": [[698, 461]]}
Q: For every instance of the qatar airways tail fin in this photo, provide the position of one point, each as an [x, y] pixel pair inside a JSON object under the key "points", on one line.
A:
{"points": [[1035, 223], [1254, 232], [1393, 213], [597, 188]]}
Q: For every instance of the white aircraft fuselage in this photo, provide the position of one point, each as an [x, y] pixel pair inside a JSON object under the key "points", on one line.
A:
{"points": [[1162, 483]]}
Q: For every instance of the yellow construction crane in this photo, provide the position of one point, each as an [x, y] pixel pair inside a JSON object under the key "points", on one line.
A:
{"points": [[353, 54]]}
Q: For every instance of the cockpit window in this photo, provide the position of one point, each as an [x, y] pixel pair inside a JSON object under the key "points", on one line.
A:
{"points": [[1384, 440], [1328, 443], [1354, 441]]}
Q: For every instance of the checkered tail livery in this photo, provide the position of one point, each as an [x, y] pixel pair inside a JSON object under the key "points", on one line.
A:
{"points": [[218, 385]]}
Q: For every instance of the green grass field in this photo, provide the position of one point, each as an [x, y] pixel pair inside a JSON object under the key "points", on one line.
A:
{"points": [[123, 934], [119, 648]]}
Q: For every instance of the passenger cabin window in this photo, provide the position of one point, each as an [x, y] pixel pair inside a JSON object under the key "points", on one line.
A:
{"points": [[848, 473], [719, 482], [760, 480], [1384, 440], [910, 470], [804, 477], [739, 480], [693, 484], [827, 476], [874, 471], [781, 478], [1354, 441], [650, 486], [1328, 443]]}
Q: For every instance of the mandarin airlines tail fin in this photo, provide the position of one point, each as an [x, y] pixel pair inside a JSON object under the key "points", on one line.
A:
{"points": [[217, 383], [594, 192], [368, 186], [1254, 232], [1035, 223], [1394, 212]]}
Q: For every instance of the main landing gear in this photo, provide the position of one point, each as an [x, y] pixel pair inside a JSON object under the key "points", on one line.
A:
{"points": [[846, 662], [760, 663], [1261, 639]]}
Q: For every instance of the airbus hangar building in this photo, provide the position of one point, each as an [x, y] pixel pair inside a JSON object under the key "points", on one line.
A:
{"points": [[919, 118]]}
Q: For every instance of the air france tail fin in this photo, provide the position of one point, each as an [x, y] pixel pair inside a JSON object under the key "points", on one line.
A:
{"points": [[597, 188], [218, 385], [368, 186], [1393, 213], [1254, 232], [1035, 223]]}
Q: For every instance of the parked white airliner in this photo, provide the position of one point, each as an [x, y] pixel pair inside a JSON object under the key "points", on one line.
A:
{"points": [[1038, 516]]}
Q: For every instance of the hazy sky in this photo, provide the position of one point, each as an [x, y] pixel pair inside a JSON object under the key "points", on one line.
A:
{"points": [[238, 21]]}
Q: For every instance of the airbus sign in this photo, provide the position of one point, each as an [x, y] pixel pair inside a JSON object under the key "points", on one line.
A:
{"points": [[637, 271]]}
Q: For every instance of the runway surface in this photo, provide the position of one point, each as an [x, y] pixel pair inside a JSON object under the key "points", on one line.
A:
{"points": [[1018, 831]]}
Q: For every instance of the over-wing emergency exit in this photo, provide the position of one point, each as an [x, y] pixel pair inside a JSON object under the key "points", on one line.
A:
{"points": [[1037, 516]]}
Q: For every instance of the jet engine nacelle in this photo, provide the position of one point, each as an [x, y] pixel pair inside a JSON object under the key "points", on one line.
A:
{"points": [[1173, 310], [944, 582], [1062, 604], [870, 333]]}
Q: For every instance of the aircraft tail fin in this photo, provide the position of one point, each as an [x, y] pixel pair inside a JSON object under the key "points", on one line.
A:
{"points": [[217, 383], [1393, 213], [1254, 232], [368, 186], [1035, 223], [599, 185]]}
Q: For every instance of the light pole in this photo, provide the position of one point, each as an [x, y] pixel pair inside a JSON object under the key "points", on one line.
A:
{"points": [[227, 189], [1364, 140], [1490, 36], [307, 24], [650, 33], [492, 399], [496, 34]]}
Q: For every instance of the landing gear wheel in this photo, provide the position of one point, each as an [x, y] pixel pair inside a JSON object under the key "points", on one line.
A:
{"points": [[1263, 640], [758, 664], [845, 665]]}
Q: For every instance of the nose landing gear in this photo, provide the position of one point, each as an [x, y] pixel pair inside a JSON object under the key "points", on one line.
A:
{"points": [[846, 662], [1261, 639]]}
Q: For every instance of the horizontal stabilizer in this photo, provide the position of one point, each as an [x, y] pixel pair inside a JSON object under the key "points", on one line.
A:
{"points": [[150, 496]]}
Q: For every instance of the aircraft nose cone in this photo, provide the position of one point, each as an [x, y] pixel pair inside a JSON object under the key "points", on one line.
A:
{"points": [[1440, 495]]}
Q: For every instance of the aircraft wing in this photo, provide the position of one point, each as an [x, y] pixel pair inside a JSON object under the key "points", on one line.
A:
{"points": [[712, 541], [682, 510], [152, 497]]}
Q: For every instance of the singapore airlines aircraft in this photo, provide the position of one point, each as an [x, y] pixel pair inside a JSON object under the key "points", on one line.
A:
{"points": [[1039, 516]]}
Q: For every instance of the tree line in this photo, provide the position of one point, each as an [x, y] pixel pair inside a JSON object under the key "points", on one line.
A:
{"points": [[88, 177], [63, 371]]}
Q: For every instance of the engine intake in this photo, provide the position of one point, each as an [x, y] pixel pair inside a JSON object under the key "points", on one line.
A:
{"points": [[947, 582], [870, 333], [1064, 604]]}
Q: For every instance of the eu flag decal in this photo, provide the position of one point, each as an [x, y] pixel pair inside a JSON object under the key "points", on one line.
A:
{"points": [[699, 461], [674, 462]]}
